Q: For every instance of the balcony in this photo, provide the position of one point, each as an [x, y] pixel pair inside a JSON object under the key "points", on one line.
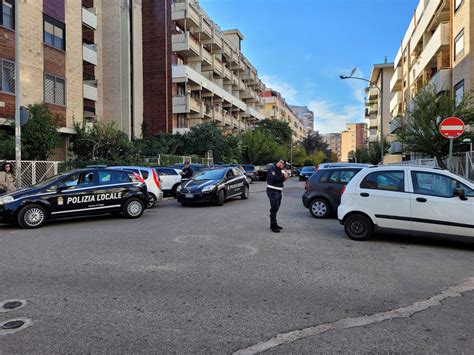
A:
{"points": [[207, 57], [373, 138], [185, 44], [372, 93], [249, 95], [206, 30], [89, 53], [186, 104], [395, 103], [396, 81], [218, 67], [89, 17], [181, 130], [441, 80], [217, 42], [255, 114], [424, 21], [372, 109], [183, 10], [395, 124], [90, 89], [437, 42], [227, 73], [373, 123]]}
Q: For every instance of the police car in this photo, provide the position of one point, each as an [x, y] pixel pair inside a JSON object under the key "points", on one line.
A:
{"points": [[214, 185], [76, 193]]}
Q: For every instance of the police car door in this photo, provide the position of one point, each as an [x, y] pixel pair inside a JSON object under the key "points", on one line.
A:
{"points": [[74, 193], [237, 182], [112, 188]]}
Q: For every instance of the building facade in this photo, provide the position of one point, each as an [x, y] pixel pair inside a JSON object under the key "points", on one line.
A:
{"points": [[435, 50], [354, 137], [275, 107], [377, 111], [333, 140], [194, 72], [306, 116]]}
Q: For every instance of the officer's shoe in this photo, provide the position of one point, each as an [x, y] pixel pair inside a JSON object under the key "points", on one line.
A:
{"points": [[275, 229], [278, 227]]}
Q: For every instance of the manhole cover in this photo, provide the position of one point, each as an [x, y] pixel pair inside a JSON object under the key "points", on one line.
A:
{"points": [[12, 305], [15, 324]]}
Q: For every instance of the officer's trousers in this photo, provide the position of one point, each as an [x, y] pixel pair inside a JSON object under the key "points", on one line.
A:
{"points": [[275, 201]]}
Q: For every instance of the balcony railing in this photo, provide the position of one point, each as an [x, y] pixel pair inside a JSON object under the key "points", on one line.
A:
{"points": [[185, 43], [184, 10], [395, 103], [396, 81], [90, 89], [441, 80], [89, 17], [439, 39], [89, 53]]}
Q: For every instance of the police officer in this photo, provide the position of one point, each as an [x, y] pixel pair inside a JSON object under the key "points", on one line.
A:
{"points": [[275, 179], [187, 172]]}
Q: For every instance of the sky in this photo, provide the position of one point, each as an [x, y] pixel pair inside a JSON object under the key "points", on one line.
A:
{"points": [[300, 47]]}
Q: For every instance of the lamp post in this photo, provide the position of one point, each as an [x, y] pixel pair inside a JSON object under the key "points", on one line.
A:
{"points": [[17, 96], [351, 76]]}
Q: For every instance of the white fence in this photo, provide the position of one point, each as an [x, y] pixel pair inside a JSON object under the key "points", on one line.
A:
{"points": [[164, 159], [462, 164], [33, 172]]}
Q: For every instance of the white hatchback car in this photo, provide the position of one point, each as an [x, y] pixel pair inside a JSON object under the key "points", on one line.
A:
{"points": [[409, 199], [170, 179]]}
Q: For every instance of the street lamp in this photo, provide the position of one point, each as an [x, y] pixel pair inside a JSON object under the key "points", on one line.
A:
{"points": [[351, 76]]}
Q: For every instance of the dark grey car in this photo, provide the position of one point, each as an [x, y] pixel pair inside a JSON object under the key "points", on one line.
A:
{"points": [[324, 189]]}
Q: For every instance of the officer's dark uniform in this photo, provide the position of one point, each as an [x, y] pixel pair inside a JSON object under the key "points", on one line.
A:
{"points": [[275, 179], [187, 173]]}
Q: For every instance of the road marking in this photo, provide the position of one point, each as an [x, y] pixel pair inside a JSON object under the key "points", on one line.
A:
{"points": [[3, 310], [189, 238], [403, 312]]}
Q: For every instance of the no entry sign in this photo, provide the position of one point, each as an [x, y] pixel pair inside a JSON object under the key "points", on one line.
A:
{"points": [[451, 127]]}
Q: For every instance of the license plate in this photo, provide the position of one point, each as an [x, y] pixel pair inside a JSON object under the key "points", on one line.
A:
{"points": [[189, 195]]}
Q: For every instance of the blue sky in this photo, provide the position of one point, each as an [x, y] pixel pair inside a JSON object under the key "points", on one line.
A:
{"points": [[300, 47]]}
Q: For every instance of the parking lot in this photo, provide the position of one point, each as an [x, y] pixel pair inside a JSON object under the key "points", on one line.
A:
{"points": [[210, 279]]}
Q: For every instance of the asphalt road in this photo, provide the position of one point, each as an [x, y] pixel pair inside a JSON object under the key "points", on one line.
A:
{"points": [[217, 280]]}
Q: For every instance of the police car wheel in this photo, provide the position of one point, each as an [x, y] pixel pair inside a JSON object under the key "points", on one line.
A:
{"points": [[133, 208], [151, 200], [32, 216], [220, 198], [319, 208], [245, 194], [359, 227]]}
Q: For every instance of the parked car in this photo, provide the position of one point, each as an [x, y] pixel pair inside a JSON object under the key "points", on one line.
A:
{"points": [[306, 172], [81, 192], [195, 167], [261, 172], [342, 165], [170, 179], [250, 172], [324, 188], [407, 199], [214, 185], [153, 184]]}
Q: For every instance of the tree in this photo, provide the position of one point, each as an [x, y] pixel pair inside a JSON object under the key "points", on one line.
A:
{"points": [[278, 130], [100, 141], [419, 132], [314, 142], [40, 136], [259, 148], [159, 144], [7, 145], [300, 156]]}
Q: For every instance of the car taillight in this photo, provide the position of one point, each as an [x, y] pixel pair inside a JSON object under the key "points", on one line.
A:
{"points": [[138, 177], [155, 177], [343, 190]]}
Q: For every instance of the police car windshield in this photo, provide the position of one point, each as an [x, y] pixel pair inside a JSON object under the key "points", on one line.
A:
{"points": [[308, 168], [217, 174]]}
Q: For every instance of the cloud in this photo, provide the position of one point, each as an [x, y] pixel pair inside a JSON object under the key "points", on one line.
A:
{"points": [[288, 92], [328, 118]]}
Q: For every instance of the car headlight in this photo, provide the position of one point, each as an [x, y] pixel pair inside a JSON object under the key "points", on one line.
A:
{"points": [[209, 188], [6, 199]]}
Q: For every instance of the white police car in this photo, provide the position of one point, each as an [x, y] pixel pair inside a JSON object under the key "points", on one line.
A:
{"points": [[76, 193], [408, 199]]}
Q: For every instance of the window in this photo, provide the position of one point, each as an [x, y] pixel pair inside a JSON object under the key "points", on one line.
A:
{"points": [[457, 4], [436, 184], [79, 180], [7, 76], [144, 174], [181, 120], [166, 172], [54, 90], [459, 45], [7, 15], [459, 92], [338, 176], [54, 33], [385, 180], [113, 177]]}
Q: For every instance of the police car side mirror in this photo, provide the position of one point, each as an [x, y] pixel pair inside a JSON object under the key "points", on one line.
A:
{"points": [[460, 193]]}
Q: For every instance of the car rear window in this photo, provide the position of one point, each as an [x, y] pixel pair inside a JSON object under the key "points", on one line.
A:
{"points": [[338, 176], [145, 174], [385, 180]]}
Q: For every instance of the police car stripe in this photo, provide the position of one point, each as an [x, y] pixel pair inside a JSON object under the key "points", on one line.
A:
{"points": [[86, 209]]}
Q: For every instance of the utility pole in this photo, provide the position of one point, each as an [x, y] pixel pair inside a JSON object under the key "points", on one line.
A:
{"points": [[17, 96]]}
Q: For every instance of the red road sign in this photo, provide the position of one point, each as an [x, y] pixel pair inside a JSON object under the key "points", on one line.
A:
{"points": [[451, 127]]}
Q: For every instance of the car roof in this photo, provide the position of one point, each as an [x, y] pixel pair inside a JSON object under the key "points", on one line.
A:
{"points": [[129, 167]]}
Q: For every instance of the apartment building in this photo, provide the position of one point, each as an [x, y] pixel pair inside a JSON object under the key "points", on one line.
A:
{"points": [[354, 137], [333, 140], [194, 72], [275, 107], [377, 111], [306, 116], [435, 50]]}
